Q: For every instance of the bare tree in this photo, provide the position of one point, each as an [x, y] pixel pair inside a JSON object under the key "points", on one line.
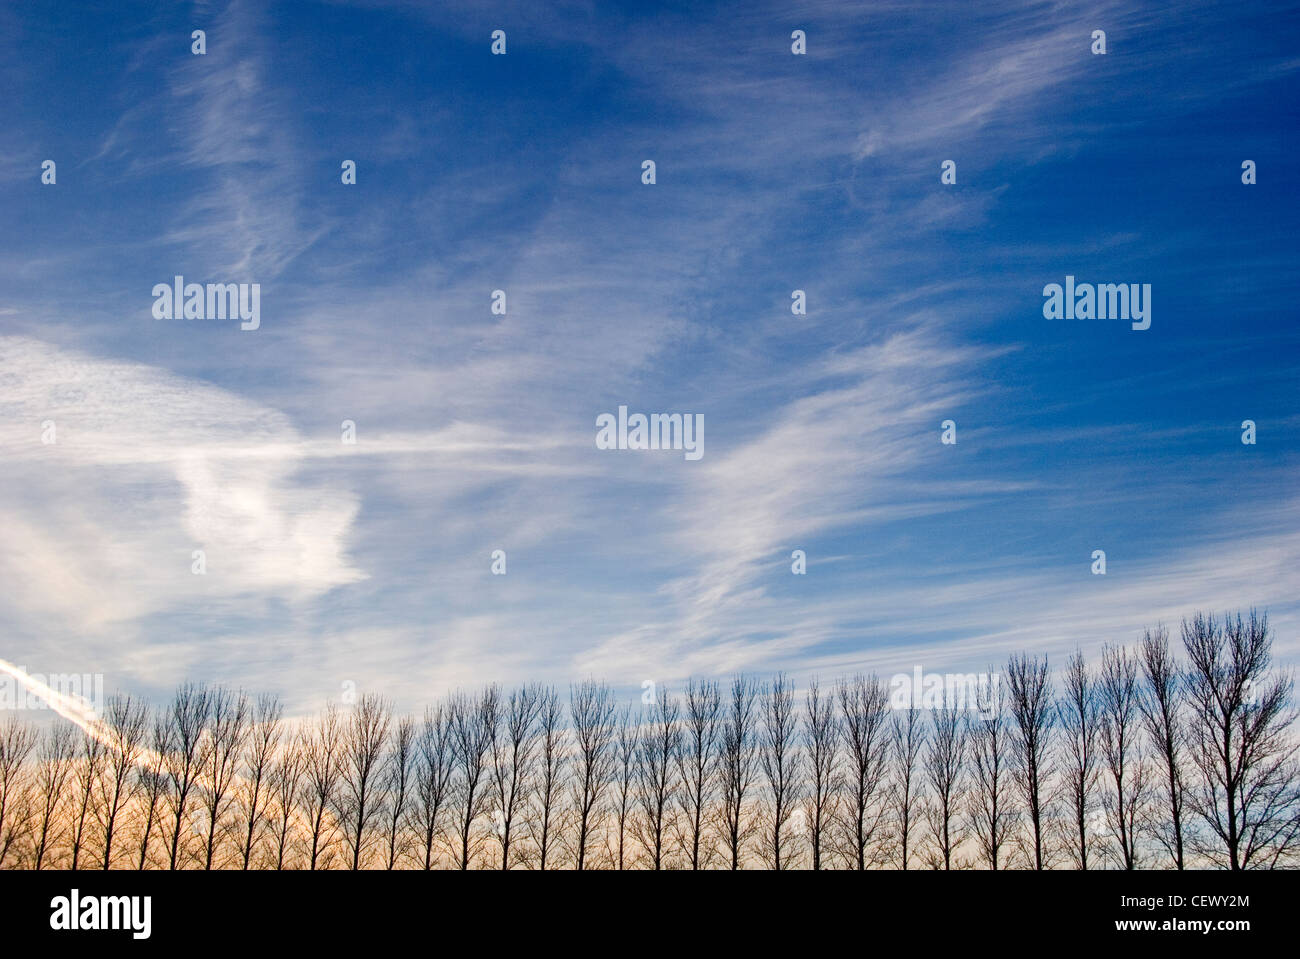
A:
{"points": [[89, 769], [781, 764], [125, 723], [227, 730], [263, 740], [657, 774], [189, 718], [514, 743], [1031, 712], [1125, 800], [286, 787], [992, 812], [821, 739], [1248, 793], [697, 767], [1079, 727], [629, 744], [945, 775], [472, 719], [398, 779], [17, 740], [433, 782], [546, 823], [1162, 718], [154, 781], [591, 707], [357, 804], [864, 714], [54, 765], [907, 739], [322, 763], [737, 767]]}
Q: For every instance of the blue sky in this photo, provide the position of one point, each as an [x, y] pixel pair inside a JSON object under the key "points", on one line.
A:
{"points": [[371, 563]]}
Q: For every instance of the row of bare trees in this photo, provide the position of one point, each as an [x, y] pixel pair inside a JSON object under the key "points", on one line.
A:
{"points": [[1140, 759]]}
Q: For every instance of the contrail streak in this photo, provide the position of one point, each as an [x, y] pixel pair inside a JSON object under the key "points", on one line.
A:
{"points": [[77, 711]]}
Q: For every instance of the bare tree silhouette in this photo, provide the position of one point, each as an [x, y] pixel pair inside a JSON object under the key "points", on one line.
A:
{"points": [[153, 778], [1162, 718], [86, 784], [322, 765], [472, 718], [182, 758], [628, 749], [1031, 711], [1247, 792], [657, 775], [220, 752], [514, 744], [17, 741], [821, 739], [433, 783], [286, 785], [737, 767], [991, 806], [126, 722], [907, 738], [779, 758], [1125, 799], [263, 741], [591, 708], [546, 818], [945, 775], [358, 802], [54, 765], [698, 767], [1079, 723], [398, 784], [864, 713]]}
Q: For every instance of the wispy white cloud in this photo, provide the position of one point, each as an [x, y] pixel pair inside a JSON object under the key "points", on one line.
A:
{"points": [[145, 468], [368, 563]]}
